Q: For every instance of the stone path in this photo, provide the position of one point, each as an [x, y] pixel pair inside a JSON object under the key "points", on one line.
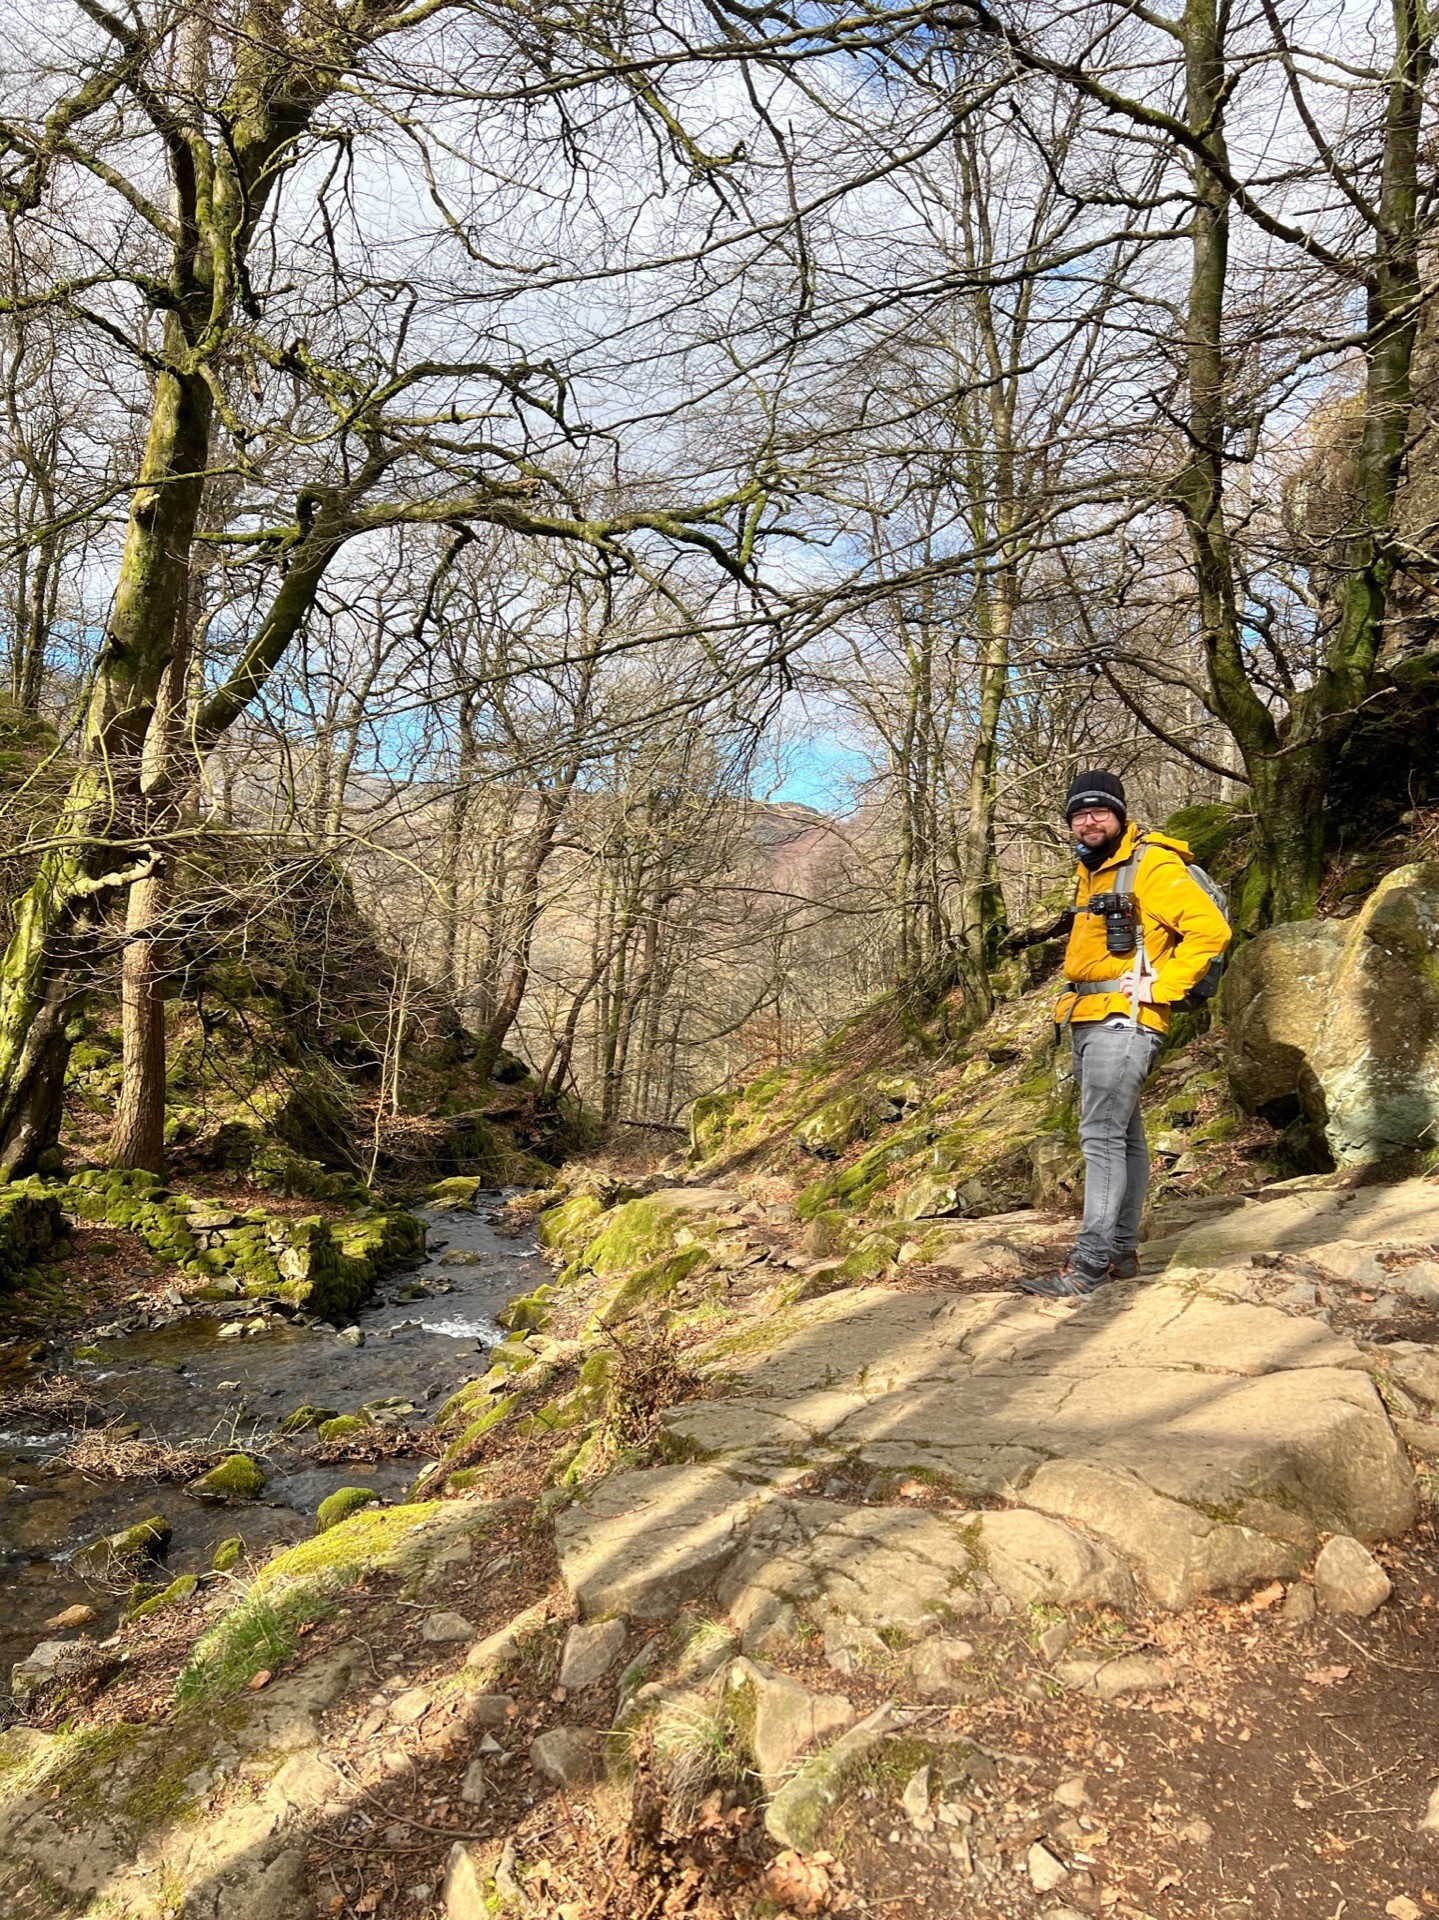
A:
{"points": [[1170, 1438]]}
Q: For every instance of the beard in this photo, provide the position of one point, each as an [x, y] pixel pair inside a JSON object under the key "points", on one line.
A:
{"points": [[1093, 858]]}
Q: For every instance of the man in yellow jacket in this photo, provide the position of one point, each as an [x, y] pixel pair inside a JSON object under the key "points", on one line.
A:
{"points": [[1117, 1009]]}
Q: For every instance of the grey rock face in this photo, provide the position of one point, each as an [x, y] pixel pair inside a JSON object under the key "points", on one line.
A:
{"points": [[1341, 1021]]}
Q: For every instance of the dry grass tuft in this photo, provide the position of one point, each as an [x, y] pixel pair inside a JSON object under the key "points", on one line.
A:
{"points": [[55, 1399], [105, 1454]]}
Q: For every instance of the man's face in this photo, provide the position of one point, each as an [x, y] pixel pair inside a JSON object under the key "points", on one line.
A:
{"points": [[1093, 826]]}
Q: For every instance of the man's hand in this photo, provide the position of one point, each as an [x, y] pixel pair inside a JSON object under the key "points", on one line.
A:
{"points": [[1141, 989]]}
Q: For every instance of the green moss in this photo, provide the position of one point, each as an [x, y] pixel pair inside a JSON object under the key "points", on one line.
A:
{"points": [[236, 1478], [30, 1224], [182, 1589], [132, 1546], [565, 1228], [651, 1284], [339, 1425], [228, 1554], [341, 1504], [709, 1120], [306, 1417], [529, 1312], [457, 1192], [633, 1235]]}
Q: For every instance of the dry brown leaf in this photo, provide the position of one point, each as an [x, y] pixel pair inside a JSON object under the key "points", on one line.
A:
{"points": [[260, 1679], [804, 1885], [1327, 1676], [1401, 1907], [1266, 1597]]}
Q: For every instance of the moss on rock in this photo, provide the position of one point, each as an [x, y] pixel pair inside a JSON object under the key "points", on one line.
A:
{"points": [[184, 1588], [236, 1478], [565, 1228], [651, 1284], [30, 1225], [341, 1424], [228, 1554], [306, 1417], [341, 1504], [128, 1549]]}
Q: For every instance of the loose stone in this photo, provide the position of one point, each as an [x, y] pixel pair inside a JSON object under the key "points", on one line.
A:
{"points": [[442, 1627], [568, 1756], [591, 1649], [1348, 1579]]}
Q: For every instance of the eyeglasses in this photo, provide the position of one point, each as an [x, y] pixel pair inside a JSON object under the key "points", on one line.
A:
{"points": [[1091, 816]]}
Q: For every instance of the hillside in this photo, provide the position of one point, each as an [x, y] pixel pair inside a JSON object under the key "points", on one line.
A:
{"points": [[783, 1559]]}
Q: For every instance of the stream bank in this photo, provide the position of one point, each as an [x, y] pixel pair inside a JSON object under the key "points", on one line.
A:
{"points": [[222, 1377]]}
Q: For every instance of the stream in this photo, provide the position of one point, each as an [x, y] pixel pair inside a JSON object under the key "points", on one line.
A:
{"points": [[182, 1381]]}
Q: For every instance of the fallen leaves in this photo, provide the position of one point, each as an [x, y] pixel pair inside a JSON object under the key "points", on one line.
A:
{"points": [[260, 1679], [1401, 1907], [805, 1884], [1327, 1676], [1266, 1597]]}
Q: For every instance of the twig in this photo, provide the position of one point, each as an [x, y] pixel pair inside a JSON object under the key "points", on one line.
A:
{"points": [[1394, 1665]]}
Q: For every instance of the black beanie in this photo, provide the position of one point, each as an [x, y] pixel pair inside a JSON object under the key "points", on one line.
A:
{"points": [[1096, 789]]}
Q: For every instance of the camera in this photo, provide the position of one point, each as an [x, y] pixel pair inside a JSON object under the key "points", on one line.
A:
{"points": [[1120, 932]]}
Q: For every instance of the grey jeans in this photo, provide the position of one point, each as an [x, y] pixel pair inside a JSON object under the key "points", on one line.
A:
{"points": [[1112, 1061]]}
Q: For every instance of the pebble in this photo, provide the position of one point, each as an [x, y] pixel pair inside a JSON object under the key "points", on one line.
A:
{"points": [[488, 1709], [1113, 1679], [408, 1707], [441, 1627], [1300, 1606], [591, 1649], [915, 1802], [475, 1785], [351, 1337], [1054, 1640], [1348, 1579], [232, 1330], [568, 1756], [1045, 1872], [71, 1617], [1073, 1792], [1429, 1825]]}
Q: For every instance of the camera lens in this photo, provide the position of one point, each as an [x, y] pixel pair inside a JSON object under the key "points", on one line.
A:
{"points": [[1119, 932]]}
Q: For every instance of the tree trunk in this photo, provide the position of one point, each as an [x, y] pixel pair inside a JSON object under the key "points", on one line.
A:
{"points": [[138, 1139], [101, 807], [980, 913], [1290, 763]]}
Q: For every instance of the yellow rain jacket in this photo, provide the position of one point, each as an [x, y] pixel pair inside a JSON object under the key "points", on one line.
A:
{"points": [[1183, 932]]}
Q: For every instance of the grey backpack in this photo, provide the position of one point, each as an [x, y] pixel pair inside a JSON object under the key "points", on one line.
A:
{"points": [[1205, 988]]}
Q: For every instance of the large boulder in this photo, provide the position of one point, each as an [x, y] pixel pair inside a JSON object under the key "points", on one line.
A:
{"points": [[1276, 995], [1339, 1022]]}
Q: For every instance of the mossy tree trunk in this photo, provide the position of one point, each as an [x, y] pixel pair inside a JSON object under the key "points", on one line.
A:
{"points": [[46, 966], [1290, 748], [138, 1138]]}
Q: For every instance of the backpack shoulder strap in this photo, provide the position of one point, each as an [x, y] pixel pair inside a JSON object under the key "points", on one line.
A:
{"points": [[1124, 879]]}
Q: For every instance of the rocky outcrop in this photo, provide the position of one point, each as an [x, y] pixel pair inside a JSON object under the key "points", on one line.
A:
{"points": [[1196, 1444], [1338, 1022]]}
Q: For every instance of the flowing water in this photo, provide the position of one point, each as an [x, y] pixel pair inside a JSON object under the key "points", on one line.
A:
{"points": [[181, 1381]]}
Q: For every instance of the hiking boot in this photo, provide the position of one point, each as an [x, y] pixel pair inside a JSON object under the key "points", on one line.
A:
{"points": [[1124, 1266], [1072, 1282]]}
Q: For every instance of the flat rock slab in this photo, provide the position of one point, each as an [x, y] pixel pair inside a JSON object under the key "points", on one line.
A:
{"points": [[1406, 1213], [893, 1568], [1202, 1441], [646, 1542]]}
